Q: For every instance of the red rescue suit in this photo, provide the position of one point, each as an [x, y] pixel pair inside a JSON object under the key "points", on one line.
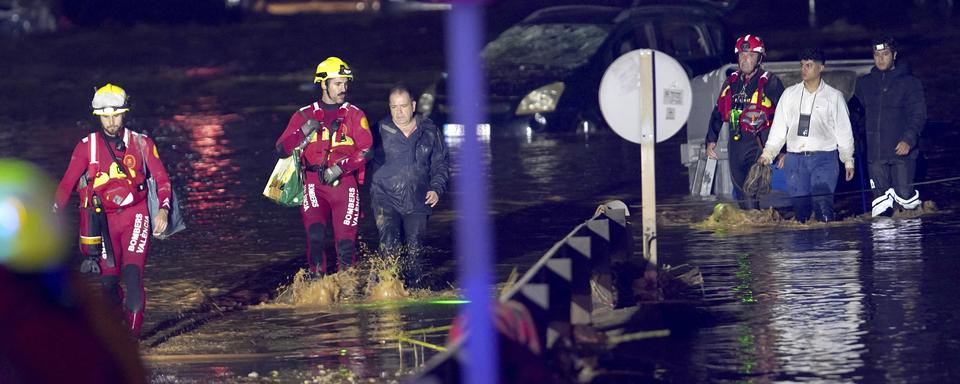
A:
{"points": [[122, 193], [750, 102], [344, 140], [753, 115]]}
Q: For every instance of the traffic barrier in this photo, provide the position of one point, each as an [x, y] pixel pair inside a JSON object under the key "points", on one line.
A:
{"points": [[562, 289]]}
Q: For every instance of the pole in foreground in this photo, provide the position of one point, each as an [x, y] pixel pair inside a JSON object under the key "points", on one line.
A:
{"points": [[464, 32]]}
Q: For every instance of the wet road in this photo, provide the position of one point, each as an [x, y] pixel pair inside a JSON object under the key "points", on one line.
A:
{"points": [[856, 302]]}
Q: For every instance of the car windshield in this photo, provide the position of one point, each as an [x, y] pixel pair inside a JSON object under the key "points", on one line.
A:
{"points": [[553, 45]]}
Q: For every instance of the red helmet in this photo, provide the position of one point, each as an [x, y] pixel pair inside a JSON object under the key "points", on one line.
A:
{"points": [[749, 43]]}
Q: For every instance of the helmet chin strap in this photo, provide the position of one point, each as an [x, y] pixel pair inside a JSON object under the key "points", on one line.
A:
{"points": [[115, 138], [327, 95]]}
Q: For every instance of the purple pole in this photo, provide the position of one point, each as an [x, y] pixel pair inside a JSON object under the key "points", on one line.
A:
{"points": [[464, 32]]}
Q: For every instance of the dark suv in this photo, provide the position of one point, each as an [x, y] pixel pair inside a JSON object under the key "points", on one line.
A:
{"points": [[544, 72]]}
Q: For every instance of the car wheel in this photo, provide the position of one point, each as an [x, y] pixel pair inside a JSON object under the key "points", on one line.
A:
{"points": [[589, 122]]}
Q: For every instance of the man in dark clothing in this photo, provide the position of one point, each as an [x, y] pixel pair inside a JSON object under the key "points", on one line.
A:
{"points": [[747, 102], [411, 175], [895, 113]]}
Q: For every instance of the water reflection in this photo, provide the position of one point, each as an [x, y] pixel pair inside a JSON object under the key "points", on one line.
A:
{"points": [[896, 267], [861, 303], [213, 173], [455, 142], [817, 310], [294, 344]]}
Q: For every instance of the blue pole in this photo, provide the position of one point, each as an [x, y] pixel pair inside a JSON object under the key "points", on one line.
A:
{"points": [[863, 184], [473, 239]]}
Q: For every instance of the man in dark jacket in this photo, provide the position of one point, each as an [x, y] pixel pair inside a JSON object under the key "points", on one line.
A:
{"points": [[412, 169], [895, 113], [747, 101]]}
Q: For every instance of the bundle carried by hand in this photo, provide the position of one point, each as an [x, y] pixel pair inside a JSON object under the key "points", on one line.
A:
{"points": [[758, 180]]}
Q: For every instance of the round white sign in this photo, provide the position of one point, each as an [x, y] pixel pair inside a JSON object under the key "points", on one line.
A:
{"points": [[623, 87]]}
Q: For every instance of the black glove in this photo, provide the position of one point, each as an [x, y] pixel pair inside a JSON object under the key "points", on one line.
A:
{"points": [[332, 174], [90, 265], [309, 126]]}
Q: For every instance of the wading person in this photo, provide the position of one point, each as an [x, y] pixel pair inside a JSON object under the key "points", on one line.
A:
{"points": [[107, 168], [747, 101], [411, 176], [895, 113], [812, 119], [335, 138]]}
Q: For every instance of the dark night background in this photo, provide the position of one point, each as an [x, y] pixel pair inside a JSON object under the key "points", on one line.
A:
{"points": [[858, 302]]}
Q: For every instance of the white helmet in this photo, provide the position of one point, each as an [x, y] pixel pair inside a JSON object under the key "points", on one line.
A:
{"points": [[109, 100]]}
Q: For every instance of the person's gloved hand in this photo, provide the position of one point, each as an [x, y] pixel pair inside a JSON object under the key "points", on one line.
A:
{"points": [[309, 126], [90, 265], [332, 174]]}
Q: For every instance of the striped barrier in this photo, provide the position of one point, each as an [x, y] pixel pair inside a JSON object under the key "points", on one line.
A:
{"points": [[560, 291]]}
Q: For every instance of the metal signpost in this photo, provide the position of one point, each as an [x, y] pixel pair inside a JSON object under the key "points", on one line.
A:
{"points": [[645, 97]]}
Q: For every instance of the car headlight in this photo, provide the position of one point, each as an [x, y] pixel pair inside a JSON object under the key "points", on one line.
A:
{"points": [[425, 102], [543, 99]]}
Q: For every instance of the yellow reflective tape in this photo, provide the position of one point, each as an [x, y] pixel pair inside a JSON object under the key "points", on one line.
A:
{"points": [[85, 240], [101, 179], [767, 102], [348, 141]]}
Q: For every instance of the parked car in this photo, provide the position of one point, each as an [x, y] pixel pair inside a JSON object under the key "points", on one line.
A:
{"points": [[544, 73]]}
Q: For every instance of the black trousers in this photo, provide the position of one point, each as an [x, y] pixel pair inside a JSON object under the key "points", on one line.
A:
{"points": [[893, 173], [403, 234], [743, 155]]}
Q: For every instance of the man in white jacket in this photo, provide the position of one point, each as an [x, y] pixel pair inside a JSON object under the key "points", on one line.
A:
{"points": [[812, 119]]}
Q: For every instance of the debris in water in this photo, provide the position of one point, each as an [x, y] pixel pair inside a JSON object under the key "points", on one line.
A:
{"points": [[727, 216]]}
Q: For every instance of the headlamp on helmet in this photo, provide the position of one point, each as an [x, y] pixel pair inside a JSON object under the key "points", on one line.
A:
{"points": [[332, 67], [749, 43], [109, 100], [884, 42]]}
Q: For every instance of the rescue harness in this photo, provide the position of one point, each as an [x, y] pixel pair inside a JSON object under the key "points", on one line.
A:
{"points": [[328, 151], [752, 114]]}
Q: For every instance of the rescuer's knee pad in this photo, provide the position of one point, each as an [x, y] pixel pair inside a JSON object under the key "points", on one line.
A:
{"points": [[132, 286], [315, 235], [346, 250]]}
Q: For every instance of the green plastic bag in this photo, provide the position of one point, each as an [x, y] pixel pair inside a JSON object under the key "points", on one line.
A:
{"points": [[285, 186]]}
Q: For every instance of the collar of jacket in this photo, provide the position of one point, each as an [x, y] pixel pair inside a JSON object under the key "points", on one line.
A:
{"points": [[899, 69], [422, 123]]}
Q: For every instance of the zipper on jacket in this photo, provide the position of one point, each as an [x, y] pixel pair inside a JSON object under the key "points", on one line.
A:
{"points": [[883, 90]]}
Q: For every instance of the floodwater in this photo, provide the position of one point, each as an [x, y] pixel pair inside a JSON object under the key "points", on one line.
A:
{"points": [[859, 301]]}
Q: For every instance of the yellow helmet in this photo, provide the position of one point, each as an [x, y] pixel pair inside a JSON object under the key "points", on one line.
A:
{"points": [[332, 67], [30, 236], [109, 100]]}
